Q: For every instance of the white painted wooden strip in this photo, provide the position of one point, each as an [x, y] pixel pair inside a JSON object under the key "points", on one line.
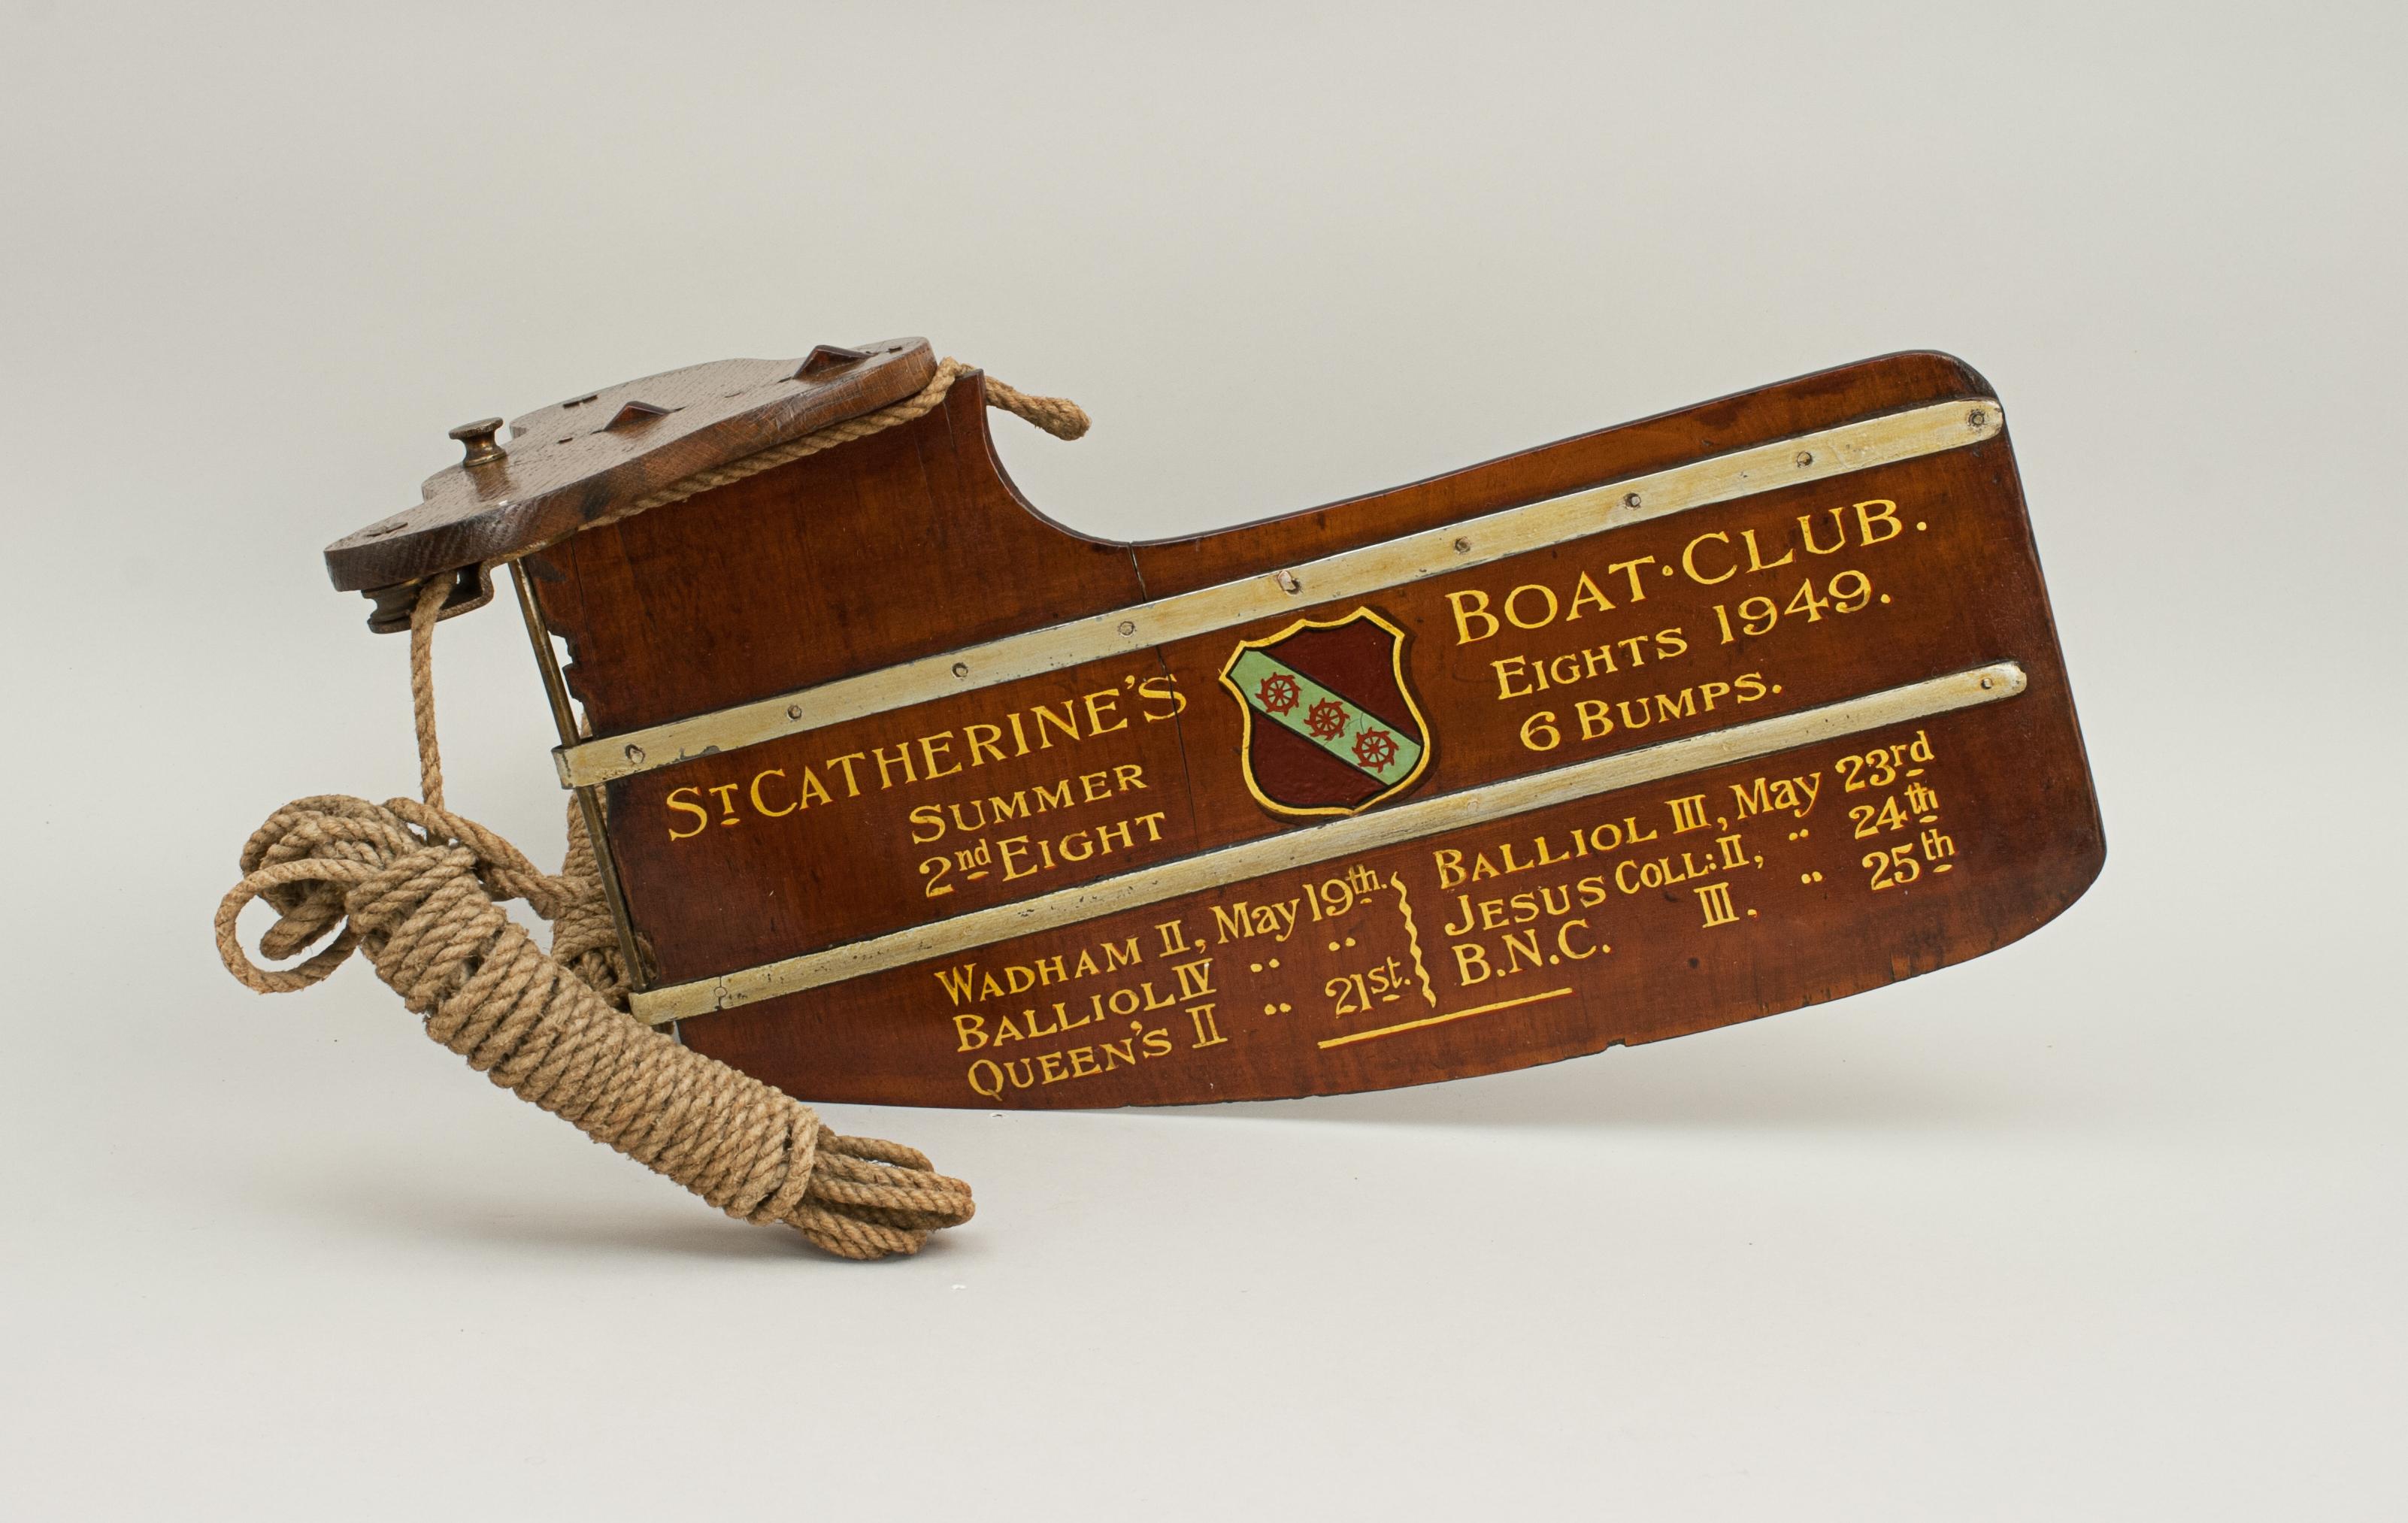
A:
{"points": [[1354, 573]]}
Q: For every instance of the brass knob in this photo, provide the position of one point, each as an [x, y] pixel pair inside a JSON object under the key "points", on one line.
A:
{"points": [[478, 437]]}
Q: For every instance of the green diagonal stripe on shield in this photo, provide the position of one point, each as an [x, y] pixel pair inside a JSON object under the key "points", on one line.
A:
{"points": [[1331, 725]]}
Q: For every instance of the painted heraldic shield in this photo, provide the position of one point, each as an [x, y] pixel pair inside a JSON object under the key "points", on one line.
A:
{"points": [[1331, 726]]}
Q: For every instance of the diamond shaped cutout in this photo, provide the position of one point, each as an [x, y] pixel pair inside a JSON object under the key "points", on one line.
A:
{"points": [[827, 358], [635, 413]]}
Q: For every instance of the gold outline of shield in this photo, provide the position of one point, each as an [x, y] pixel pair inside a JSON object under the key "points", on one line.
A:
{"points": [[1246, 737]]}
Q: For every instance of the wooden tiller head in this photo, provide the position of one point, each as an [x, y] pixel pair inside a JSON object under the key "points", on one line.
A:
{"points": [[911, 796]]}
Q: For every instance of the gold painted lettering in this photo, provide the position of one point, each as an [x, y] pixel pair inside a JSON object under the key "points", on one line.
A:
{"points": [[1630, 568], [982, 747], [1806, 528], [1690, 561], [812, 791], [1514, 597], [1450, 865], [1471, 964], [1755, 561], [760, 806], [1102, 704], [1586, 594], [1715, 901], [1865, 521], [1068, 723], [1162, 689], [886, 765], [1470, 604], [1506, 669], [934, 746], [1208, 1031]]}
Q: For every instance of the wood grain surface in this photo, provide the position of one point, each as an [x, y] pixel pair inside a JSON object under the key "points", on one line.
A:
{"points": [[1688, 902], [563, 467]]}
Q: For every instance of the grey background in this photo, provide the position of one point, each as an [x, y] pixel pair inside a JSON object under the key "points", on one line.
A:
{"points": [[2107, 1225]]}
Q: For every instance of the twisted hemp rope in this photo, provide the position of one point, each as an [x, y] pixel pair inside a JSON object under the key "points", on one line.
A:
{"points": [[1058, 416], [420, 890]]}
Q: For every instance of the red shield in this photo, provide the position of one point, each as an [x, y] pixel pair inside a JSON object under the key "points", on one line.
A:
{"points": [[1331, 726]]}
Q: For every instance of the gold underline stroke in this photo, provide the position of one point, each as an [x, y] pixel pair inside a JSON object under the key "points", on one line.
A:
{"points": [[1442, 1020]]}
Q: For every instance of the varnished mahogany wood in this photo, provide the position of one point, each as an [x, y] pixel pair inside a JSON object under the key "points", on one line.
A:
{"points": [[902, 544], [914, 542]]}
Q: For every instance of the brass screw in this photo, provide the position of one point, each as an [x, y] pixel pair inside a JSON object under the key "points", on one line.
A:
{"points": [[1805, 458], [1463, 547], [960, 669], [636, 753], [477, 439], [793, 711], [1630, 500], [1287, 582], [1128, 626], [1976, 418]]}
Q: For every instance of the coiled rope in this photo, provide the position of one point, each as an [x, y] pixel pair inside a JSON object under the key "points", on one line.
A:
{"points": [[419, 891]]}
